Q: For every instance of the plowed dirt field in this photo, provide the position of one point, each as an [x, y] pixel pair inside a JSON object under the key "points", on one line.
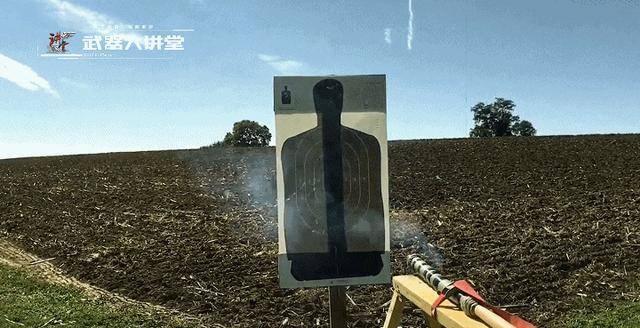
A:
{"points": [[550, 223]]}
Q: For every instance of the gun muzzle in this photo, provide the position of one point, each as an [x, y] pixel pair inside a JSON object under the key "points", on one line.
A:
{"points": [[428, 273]]}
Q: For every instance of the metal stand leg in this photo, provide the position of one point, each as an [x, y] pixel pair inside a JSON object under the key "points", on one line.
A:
{"points": [[338, 306]]}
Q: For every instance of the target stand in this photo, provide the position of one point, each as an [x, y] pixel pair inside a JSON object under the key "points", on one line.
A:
{"points": [[412, 289]]}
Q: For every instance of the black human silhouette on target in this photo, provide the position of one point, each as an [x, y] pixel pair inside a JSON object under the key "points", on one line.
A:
{"points": [[334, 216], [285, 96]]}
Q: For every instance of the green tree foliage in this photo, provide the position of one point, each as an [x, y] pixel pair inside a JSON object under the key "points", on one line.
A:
{"points": [[524, 128], [248, 134], [497, 120]]}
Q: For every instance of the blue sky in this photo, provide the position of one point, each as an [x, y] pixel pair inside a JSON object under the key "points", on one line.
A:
{"points": [[572, 67]]}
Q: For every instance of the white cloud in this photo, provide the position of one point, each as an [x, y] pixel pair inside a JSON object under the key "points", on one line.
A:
{"points": [[410, 30], [86, 20], [268, 58], [387, 35], [23, 76], [79, 17], [285, 66], [282, 65]]}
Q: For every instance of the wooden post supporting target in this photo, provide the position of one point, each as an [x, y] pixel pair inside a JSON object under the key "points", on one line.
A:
{"points": [[338, 306]]}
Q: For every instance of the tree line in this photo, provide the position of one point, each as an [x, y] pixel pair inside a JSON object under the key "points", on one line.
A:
{"points": [[496, 119]]}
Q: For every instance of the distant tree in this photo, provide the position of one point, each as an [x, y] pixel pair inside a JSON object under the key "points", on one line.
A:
{"points": [[248, 134], [480, 132], [497, 120], [524, 129]]}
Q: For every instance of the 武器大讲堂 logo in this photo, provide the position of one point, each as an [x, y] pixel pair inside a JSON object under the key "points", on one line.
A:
{"points": [[59, 41]]}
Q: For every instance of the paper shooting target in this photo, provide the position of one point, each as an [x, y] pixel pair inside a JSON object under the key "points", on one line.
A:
{"points": [[334, 214]]}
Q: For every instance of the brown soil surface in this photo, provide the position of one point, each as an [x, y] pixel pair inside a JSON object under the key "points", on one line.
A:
{"points": [[552, 222]]}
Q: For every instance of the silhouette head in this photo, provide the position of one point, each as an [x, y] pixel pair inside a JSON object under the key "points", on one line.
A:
{"points": [[327, 97], [285, 87]]}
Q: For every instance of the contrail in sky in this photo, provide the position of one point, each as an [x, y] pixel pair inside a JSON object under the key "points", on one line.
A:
{"points": [[410, 31]]}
